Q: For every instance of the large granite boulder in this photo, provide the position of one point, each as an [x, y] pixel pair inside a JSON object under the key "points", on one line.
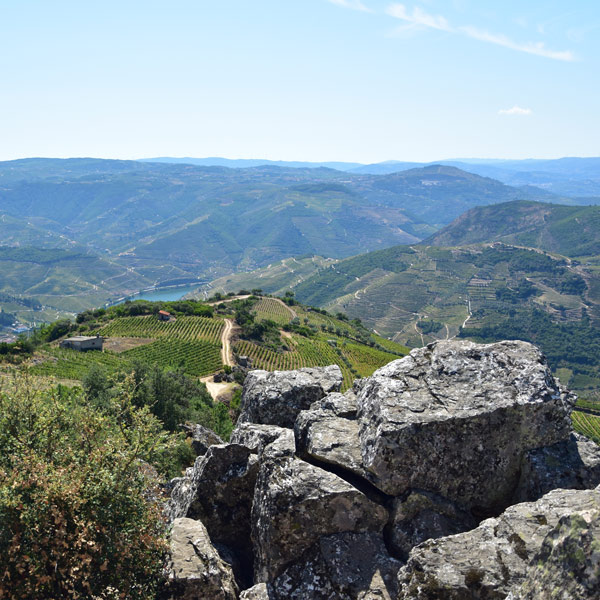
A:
{"points": [[194, 568], [257, 437], [295, 504], [493, 559], [568, 564], [219, 493], [328, 433], [344, 566], [456, 418], [276, 398]]}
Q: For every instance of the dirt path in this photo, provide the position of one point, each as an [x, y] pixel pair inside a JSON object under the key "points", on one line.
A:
{"points": [[226, 353], [419, 332], [216, 389]]}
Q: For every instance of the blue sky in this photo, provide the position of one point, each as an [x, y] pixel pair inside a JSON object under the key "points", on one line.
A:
{"points": [[363, 81]]}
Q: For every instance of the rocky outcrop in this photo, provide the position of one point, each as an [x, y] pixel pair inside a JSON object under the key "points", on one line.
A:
{"points": [[295, 504], [568, 564], [456, 418], [571, 464], [202, 438], [380, 492], [493, 559], [194, 568], [276, 398], [344, 566], [420, 516]]}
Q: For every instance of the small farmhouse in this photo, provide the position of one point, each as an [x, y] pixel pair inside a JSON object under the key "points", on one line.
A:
{"points": [[83, 343], [163, 315]]}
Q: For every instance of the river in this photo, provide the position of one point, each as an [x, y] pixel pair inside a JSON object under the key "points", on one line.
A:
{"points": [[164, 294]]}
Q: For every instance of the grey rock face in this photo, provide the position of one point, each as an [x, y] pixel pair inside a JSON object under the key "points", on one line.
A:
{"points": [[344, 566], [295, 504], [257, 437], [320, 494], [224, 483], [202, 439], [324, 436], [276, 398], [568, 564], [421, 516], [194, 568], [260, 591], [493, 559], [456, 418], [182, 495], [570, 464]]}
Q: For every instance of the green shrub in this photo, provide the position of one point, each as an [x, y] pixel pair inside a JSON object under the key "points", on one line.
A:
{"points": [[79, 510]]}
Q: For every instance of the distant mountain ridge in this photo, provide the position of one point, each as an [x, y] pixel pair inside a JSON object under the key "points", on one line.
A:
{"points": [[568, 230], [570, 176], [168, 221]]}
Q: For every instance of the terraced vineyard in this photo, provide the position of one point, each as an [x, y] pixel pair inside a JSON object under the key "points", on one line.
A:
{"points": [[364, 359], [70, 364], [314, 353], [270, 308], [185, 328], [195, 357], [588, 424]]}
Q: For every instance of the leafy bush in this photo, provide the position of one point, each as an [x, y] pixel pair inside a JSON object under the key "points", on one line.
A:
{"points": [[79, 516]]}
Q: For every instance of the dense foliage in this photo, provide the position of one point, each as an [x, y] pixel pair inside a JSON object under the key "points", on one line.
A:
{"points": [[171, 396], [79, 516]]}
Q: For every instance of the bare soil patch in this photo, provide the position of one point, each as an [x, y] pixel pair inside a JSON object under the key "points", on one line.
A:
{"points": [[120, 344]]}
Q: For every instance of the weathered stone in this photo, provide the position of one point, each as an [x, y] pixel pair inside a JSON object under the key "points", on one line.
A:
{"points": [[260, 591], [341, 405], [276, 398], [421, 516], [220, 494], [344, 566], [224, 482], [284, 445], [194, 568], [326, 437], [456, 418], [295, 504], [202, 438], [568, 564], [570, 464], [256, 436], [182, 495], [493, 559]]}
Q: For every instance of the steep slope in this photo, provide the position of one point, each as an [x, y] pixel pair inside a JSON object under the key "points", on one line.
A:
{"points": [[177, 222], [568, 230], [418, 294], [69, 280]]}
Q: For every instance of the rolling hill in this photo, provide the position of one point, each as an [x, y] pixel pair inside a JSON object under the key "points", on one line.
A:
{"points": [[214, 220], [569, 230], [295, 336], [417, 294]]}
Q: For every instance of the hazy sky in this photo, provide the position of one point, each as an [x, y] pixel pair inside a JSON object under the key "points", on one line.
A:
{"points": [[352, 80]]}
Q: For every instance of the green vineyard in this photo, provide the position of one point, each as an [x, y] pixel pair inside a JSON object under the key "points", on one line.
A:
{"points": [[71, 364], [587, 424], [185, 328], [194, 357], [316, 353], [272, 309], [364, 359]]}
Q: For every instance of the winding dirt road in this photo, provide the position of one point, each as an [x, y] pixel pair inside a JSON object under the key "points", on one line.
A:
{"points": [[226, 353]]}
